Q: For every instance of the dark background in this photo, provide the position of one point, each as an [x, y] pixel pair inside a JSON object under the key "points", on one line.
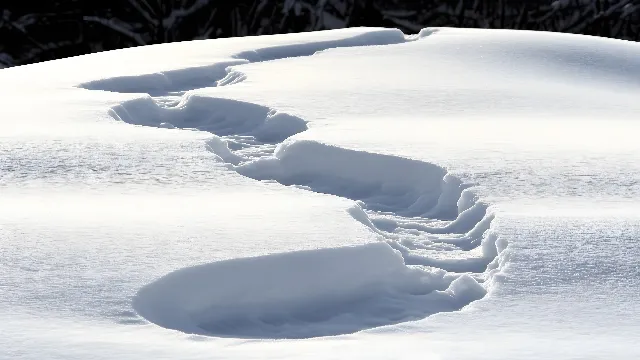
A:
{"points": [[33, 31]]}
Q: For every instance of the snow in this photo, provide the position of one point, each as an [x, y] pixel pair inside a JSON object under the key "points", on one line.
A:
{"points": [[456, 194], [267, 299], [251, 140], [233, 54], [218, 116]]}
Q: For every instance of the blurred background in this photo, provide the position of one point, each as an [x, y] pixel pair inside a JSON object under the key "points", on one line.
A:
{"points": [[36, 30]]}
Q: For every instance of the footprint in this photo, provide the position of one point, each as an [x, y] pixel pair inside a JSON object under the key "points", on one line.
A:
{"points": [[427, 218], [437, 247], [302, 294]]}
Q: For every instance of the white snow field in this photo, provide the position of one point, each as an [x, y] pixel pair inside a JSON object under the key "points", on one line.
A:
{"points": [[356, 193]]}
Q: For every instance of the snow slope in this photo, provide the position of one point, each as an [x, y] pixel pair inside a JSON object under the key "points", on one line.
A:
{"points": [[356, 182]]}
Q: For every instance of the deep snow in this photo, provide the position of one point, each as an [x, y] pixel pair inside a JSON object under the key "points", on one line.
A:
{"points": [[412, 200], [321, 187], [302, 294]]}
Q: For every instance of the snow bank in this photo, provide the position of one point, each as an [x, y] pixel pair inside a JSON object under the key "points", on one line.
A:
{"points": [[302, 294]]}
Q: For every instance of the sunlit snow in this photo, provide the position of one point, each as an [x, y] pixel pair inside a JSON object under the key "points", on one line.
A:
{"points": [[357, 193]]}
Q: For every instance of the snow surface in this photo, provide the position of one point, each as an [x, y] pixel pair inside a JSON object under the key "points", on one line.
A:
{"points": [[302, 294], [456, 194]]}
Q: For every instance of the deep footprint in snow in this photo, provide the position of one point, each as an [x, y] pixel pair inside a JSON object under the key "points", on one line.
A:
{"points": [[247, 123], [302, 294], [426, 217], [181, 80]]}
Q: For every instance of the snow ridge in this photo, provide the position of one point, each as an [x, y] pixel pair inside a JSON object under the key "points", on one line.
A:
{"points": [[437, 250]]}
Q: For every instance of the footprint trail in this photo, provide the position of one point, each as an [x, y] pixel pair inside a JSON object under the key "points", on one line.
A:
{"points": [[437, 247]]}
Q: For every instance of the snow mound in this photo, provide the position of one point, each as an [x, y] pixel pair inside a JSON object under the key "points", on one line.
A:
{"points": [[302, 294]]}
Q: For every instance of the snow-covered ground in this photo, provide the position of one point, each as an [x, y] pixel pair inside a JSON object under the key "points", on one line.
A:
{"points": [[359, 193]]}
